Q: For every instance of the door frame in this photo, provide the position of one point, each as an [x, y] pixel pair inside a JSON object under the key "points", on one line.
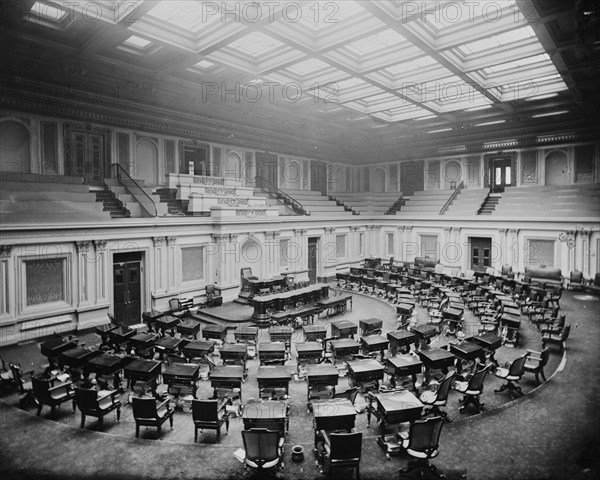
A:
{"points": [[470, 258], [142, 255], [69, 130]]}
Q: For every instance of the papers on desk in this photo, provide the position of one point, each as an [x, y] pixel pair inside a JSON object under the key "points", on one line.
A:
{"points": [[240, 455], [63, 377]]}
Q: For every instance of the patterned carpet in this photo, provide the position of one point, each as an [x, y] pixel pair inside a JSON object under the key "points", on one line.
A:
{"points": [[550, 433]]}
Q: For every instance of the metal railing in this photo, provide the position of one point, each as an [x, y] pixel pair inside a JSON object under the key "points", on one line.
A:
{"points": [[452, 197], [279, 194], [134, 189]]}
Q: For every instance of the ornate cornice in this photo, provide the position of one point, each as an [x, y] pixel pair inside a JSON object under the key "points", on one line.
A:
{"points": [[6, 250], [219, 237], [83, 245], [100, 245], [159, 241], [171, 240]]}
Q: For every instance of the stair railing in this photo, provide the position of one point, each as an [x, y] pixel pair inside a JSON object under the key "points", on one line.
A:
{"points": [[134, 189], [452, 197], [279, 194]]}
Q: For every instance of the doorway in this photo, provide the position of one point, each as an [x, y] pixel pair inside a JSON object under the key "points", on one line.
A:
{"points": [[318, 177], [194, 160], [127, 273], [501, 174], [411, 177], [267, 168], [87, 152], [313, 244], [481, 249]]}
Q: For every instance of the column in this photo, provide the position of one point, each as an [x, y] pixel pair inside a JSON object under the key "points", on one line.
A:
{"points": [[6, 286], [301, 264], [504, 258], [218, 267], [172, 264], [586, 250], [102, 270], [160, 258], [271, 254], [231, 265], [83, 270], [514, 251]]}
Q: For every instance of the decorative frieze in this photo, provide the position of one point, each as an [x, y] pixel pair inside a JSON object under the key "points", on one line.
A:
{"points": [[209, 180], [233, 202], [272, 235], [219, 191], [219, 237], [251, 213]]}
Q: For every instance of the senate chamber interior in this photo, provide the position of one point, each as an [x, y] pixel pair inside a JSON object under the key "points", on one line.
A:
{"points": [[309, 239]]}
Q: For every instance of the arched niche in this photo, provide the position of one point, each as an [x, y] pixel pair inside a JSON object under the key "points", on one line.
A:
{"points": [[378, 180], [452, 174], [15, 147], [556, 166], [233, 166], [292, 175], [251, 255], [146, 161]]}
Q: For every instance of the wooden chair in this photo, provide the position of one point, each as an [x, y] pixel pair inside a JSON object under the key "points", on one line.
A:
{"points": [[472, 390], [341, 450], [575, 281], [24, 384], [97, 404], [263, 449], [434, 400], [210, 414], [536, 361], [512, 373], [213, 296], [47, 393], [146, 412], [422, 444], [556, 337]]}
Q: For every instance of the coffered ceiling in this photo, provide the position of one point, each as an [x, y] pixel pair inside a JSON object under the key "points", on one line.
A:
{"points": [[352, 81]]}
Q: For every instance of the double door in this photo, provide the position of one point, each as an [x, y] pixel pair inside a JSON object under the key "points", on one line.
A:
{"points": [[127, 273], [480, 253]]}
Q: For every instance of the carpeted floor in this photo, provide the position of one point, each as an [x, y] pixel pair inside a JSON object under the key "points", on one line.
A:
{"points": [[550, 433]]}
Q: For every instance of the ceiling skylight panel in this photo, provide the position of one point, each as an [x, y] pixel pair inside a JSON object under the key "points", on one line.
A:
{"points": [[523, 62], [256, 44], [496, 41], [190, 16], [47, 12], [308, 66], [417, 63], [137, 42], [374, 43]]}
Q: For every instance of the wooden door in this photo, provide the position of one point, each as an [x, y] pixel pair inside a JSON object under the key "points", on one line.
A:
{"points": [[501, 175], [87, 157], [127, 292], [481, 249]]}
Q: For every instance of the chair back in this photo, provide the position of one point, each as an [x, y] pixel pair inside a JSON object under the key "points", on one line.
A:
{"points": [[424, 437], [576, 277], [444, 388], [261, 445], [205, 410], [346, 446], [544, 357], [17, 374], [476, 382], [210, 289], [517, 367], [144, 408], [86, 398], [174, 304], [40, 388], [565, 332]]}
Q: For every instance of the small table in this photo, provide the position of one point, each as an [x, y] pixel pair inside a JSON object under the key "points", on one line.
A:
{"points": [[271, 352], [189, 327], [273, 377], [393, 407], [344, 347], [246, 334], [198, 349], [227, 376], [490, 342], [103, 331], [144, 370], [121, 335], [270, 414], [369, 325], [281, 334], [343, 329], [374, 343], [314, 332], [403, 366], [400, 339], [335, 414], [308, 351], [365, 371], [216, 332], [182, 374], [143, 340]]}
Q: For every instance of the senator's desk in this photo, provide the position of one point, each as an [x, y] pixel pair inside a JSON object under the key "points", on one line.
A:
{"points": [[246, 334], [490, 342], [424, 332], [403, 366], [271, 352], [189, 327], [435, 359], [322, 375], [306, 313], [106, 364], [55, 345], [467, 352], [274, 376], [235, 354], [344, 347], [278, 301], [182, 374], [335, 304], [314, 332], [270, 414], [332, 415], [198, 349], [401, 338], [168, 322], [281, 334], [143, 341], [368, 325], [343, 329], [373, 343], [509, 327], [139, 369], [103, 331], [214, 332], [121, 335], [393, 408], [362, 372], [76, 357], [169, 345], [227, 376], [308, 352]]}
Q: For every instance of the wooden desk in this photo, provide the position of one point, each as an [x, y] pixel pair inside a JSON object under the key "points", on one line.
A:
{"points": [[164, 323], [438, 358], [374, 343], [424, 332], [271, 352], [144, 370], [182, 374], [309, 351], [55, 345], [281, 334], [143, 341], [322, 375], [216, 332], [235, 354], [394, 407], [256, 285], [169, 344], [198, 349], [467, 352], [364, 371], [335, 414], [121, 335], [103, 331], [270, 414], [337, 304], [314, 332], [344, 347], [343, 329], [274, 377], [246, 334], [399, 339], [189, 327], [106, 364], [369, 325], [306, 295], [227, 376], [76, 357], [403, 366]]}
